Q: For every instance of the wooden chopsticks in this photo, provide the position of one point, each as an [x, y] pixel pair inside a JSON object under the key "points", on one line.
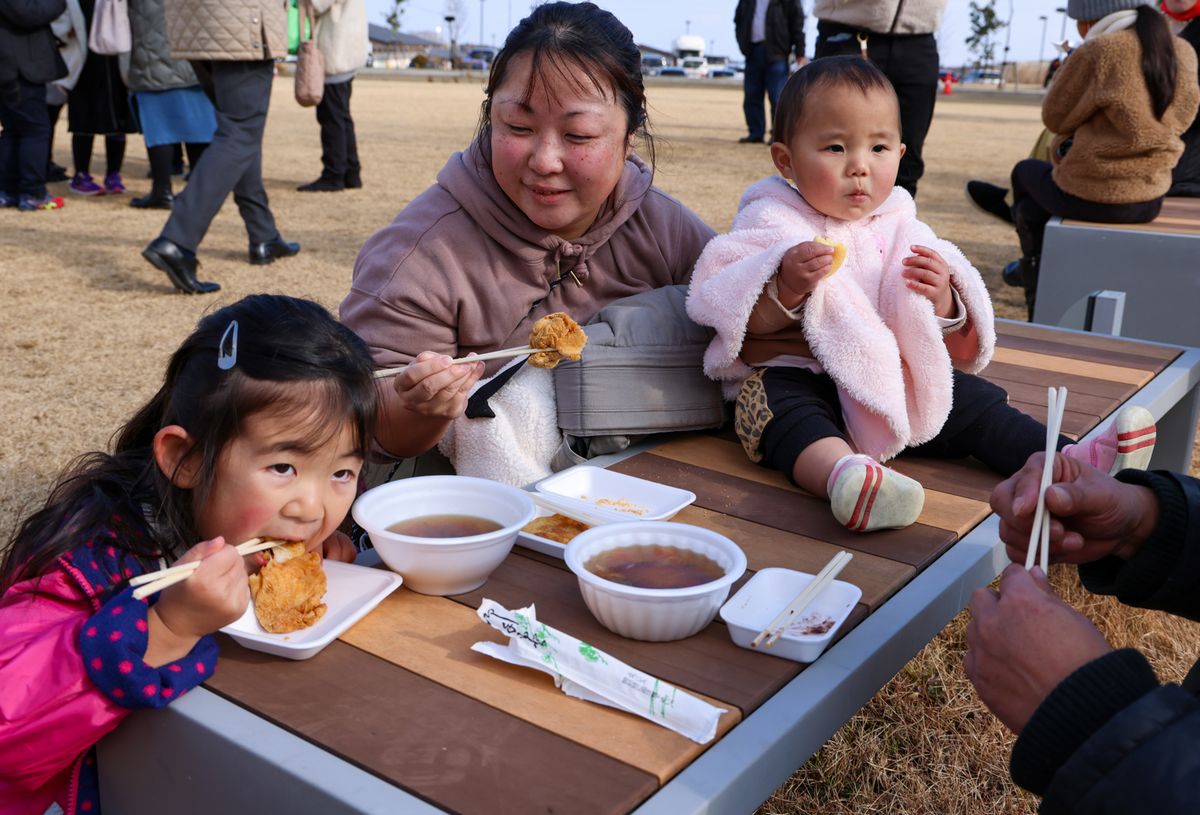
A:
{"points": [[153, 582], [1039, 536], [803, 600], [501, 354], [569, 511]]}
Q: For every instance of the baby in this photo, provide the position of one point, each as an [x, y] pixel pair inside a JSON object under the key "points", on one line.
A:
{"points": [[834, 373]]}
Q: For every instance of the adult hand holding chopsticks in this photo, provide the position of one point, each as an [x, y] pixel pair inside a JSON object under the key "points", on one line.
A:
{"points": [[214, 595], [420, 403], [1092, 515]]}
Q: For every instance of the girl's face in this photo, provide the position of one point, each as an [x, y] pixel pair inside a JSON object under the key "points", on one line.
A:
{"points": [[268, 484], [845, 151], [559, 154]]}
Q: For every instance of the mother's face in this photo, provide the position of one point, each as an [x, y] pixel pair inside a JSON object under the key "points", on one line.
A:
{"points": [[559, 154]]}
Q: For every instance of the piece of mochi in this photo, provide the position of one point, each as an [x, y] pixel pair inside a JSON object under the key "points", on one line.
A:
{"points": [[839, 253]]}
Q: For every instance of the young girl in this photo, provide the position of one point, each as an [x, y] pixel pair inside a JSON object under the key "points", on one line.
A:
{"points": [[1118, 106], [259, 430], [839, 369]]}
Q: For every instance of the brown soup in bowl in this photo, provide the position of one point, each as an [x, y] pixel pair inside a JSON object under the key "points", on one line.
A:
{"points": [[655, 567], [444, 526]]}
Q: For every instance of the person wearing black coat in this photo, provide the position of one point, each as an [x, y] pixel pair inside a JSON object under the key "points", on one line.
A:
{"points": [[1185, 179], [29, 59], [1097, 731], [768, 33]]}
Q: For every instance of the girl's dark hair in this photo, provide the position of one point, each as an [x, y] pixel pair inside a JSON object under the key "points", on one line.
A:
{"points": [[560, 37], [841, 71], [292, 359], [1158, 58]]}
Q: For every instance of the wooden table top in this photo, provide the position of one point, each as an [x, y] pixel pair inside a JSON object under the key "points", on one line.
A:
{"points": [[402, 696], [1179, 216]]}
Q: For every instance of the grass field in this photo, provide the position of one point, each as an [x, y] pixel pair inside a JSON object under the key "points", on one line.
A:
{"points": [[88, 326]]}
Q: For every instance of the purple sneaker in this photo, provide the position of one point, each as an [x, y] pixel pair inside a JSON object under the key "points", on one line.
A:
{"points": [[113, 185], [82, 184]]}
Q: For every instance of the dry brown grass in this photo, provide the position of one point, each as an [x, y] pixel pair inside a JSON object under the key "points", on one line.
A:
{"points": [[88, 325]]}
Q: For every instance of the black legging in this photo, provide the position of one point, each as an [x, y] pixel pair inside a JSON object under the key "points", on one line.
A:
{"points": [[114, 152]]}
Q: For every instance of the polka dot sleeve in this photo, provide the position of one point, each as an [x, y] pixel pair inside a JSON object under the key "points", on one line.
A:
{"points": [[113, 643]]}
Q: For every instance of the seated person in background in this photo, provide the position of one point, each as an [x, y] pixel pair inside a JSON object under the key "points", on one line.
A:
{"points": [[1185, 21], [549, 209], [1096, 730], [1119, 106], [837, 370]]}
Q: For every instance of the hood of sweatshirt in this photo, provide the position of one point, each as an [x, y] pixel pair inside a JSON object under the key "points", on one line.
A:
{"points": [[468, 178]]}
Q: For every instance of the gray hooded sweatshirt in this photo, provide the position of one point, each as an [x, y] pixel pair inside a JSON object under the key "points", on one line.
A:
{"points": [[461, 269]]}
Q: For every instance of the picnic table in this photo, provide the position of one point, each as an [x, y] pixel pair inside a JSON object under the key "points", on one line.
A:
{"points": [[399, 715]]}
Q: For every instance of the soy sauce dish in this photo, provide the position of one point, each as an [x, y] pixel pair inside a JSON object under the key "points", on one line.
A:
{"points": [[444, 533], [654, 580]]}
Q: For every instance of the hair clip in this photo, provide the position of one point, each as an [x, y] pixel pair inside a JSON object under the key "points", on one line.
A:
{"points": [[227, 347]]}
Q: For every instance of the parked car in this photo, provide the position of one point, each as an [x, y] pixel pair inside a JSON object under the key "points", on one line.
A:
{"points": [[947, 73], [671, 70], [695, 66], [651, 64], [983, 77], [722, 72]]}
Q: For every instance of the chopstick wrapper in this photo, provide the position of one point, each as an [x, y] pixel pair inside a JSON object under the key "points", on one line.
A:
{"points": [[590, 674]]}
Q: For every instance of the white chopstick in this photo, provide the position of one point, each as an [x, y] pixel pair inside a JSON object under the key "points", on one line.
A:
{"points": [[501, 354], [581, 515], [802, 601], [1039, 534], [153, 582]]}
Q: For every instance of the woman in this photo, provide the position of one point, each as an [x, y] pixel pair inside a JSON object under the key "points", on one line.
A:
{"points": [[170, 106], [547, 210]]}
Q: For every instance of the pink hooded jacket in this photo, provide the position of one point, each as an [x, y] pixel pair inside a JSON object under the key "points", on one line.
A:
{"points": [[878, 340], [72, 644]]}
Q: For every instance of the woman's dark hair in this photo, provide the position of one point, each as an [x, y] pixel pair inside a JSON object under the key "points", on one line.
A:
{"points": [[842, 71], [562, 36], [1158, 58], [292, 359]]}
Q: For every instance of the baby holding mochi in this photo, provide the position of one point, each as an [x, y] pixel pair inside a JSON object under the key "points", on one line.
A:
{"points": [[835, 373]]}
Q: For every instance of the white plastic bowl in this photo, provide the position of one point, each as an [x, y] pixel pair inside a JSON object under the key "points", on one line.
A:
{"points": [[653, 615], [443, 565]]}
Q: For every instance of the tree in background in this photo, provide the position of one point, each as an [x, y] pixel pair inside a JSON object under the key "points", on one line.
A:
{"points": [[984, 25], [395, 15]]}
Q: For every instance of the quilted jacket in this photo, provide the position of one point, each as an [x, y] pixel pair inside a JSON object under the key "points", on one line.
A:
{"points": [[151, 67], [226, 30]]}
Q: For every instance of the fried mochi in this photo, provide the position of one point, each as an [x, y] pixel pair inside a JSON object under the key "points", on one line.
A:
{"points": [[287, 591], [560, 336]]}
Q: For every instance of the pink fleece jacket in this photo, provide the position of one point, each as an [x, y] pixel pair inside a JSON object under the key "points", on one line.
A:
{"points": [[462, 269], [879, 341]]}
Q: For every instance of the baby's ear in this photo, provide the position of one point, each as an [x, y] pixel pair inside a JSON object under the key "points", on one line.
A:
{"points": [[176, 456], [782, 157]]}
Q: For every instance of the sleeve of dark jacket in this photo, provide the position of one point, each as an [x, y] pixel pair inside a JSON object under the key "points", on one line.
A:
{"points": [[795, 18], [741, 26], [1110, 738], [30, 15]]}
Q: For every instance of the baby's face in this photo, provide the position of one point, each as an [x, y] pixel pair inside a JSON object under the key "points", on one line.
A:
{"points": [[845, 151]]}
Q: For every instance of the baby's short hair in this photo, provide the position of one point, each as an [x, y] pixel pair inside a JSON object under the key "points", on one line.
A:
{"points": [[841, 71]]}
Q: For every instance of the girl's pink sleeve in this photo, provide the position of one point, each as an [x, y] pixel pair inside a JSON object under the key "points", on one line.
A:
{"points": [[50, 710]]}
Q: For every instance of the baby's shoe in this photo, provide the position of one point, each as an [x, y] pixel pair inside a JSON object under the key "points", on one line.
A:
{"points": [[1126, 443], [82, 184], [866, 496]]}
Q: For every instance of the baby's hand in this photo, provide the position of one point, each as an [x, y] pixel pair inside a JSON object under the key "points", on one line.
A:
{"points": [[929, 276], [801, 268], [214, 596]]}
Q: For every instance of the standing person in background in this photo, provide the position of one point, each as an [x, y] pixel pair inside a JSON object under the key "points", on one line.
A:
{"points": [[768, 33], [897, 36], [70, 30], [98, 105], [28, 60], [1185, 178], [342, 40], [232, 45], [171, 108]]}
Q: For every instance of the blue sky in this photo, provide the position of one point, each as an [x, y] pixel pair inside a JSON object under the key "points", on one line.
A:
{"points": [[658, 22]]}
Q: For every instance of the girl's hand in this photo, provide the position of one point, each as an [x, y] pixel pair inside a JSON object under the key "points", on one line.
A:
{"points": [[338, 547], [929, 276], [215, 595], [432, 387], [800, 270]]}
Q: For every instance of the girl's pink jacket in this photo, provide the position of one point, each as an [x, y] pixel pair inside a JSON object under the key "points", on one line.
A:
{"points": [[51, 713]]}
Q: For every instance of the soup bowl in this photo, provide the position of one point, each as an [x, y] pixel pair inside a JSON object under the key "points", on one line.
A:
{"points": [[443, 565], [654, 615]]}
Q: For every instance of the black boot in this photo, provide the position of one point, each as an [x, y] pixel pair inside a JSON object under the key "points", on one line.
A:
{"points": [[263, 253], [323, 184], [156, 199], [179, 265]]}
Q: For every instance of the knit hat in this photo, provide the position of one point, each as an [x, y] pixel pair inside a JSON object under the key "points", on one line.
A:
{"points": [[1098, 9]]}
